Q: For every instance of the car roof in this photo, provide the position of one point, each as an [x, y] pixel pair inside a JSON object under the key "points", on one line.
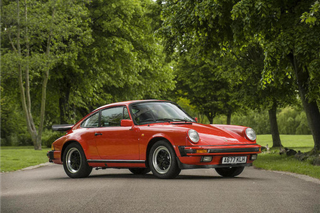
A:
{"points": [[126, 103]]}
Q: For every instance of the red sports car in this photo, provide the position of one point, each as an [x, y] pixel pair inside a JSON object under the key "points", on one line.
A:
{"points": [[151, 135]]}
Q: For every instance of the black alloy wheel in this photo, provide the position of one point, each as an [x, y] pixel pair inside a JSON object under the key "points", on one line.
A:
{"points": [[162, 160], [74, 162]]}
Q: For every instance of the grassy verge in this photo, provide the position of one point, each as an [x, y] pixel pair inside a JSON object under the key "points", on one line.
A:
{"points": [[16, 157], [274, 161]]}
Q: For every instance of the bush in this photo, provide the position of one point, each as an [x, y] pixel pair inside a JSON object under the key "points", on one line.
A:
{"points": [[49, 136], [290, 121], [259, 121]]}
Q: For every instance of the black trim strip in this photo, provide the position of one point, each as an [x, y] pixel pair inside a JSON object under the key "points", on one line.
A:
{"points": [[233, 150], [115, 161], [184, 152]]}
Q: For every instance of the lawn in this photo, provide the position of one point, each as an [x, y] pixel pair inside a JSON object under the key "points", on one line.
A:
{"points": [[304, 143], [274, 161], [17, 157]]}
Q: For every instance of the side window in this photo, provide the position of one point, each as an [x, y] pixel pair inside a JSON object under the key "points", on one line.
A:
{"points": [[92, 121], [112, 116], [125, 113]]}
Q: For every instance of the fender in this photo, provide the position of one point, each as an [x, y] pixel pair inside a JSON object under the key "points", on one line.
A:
{"points": [[88, 146], [174, 137]]}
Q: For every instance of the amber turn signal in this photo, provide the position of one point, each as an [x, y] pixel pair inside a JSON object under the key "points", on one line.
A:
{"points": [[202, 151]]}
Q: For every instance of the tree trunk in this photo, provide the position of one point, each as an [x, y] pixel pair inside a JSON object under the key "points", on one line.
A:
{"points": [[210, 118], [274, 125], [310, 107], [44, 85], [25, 94], [229, 118], [27, 85], [64, 104]]}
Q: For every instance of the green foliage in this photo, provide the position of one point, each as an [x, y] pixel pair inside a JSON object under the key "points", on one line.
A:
{"points": [[50, 136], [207, 86], [259, 121], [13, 125], [288, 48], [124, 61], [278, 27], [191, 110], [291, 121], [100, 52], [312, 17]]}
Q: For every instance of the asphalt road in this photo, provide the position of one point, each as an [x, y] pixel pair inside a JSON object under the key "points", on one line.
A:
{"points": [[48, 189]]}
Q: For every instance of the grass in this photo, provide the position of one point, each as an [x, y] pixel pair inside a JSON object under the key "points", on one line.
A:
{"points": [[274, 161], [18, 157], [304, 143]]}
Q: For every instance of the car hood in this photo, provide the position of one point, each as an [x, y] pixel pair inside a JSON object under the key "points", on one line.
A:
{"points": [[209, 134]]}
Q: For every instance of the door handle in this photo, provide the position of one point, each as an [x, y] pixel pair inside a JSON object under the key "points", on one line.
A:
{"points": [[97, 133]]}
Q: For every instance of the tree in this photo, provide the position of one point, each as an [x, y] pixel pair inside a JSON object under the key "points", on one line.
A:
{"points": [[287, 42], [207, 87], [124, 62], [36, 32], [259, 94], [290, 47]]}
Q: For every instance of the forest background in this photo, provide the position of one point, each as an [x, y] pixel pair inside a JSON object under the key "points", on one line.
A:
{"points": [[243, 62]]}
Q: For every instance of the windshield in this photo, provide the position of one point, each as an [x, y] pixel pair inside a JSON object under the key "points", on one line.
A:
{"points": [[156, 112]]}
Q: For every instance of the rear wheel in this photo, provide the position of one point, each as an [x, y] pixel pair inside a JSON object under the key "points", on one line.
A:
{"points": [[75, 162], [230, 171], [162, 160], [139, 171]]}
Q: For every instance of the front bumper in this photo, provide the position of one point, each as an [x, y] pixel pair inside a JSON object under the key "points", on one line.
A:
{"points": [[50, 155], [191, 156]]}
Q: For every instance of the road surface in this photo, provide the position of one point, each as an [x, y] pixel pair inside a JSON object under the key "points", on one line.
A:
{"points": [[49, 189]]}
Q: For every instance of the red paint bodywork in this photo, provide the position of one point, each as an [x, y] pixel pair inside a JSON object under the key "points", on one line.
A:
{"points": [[131, 142]]}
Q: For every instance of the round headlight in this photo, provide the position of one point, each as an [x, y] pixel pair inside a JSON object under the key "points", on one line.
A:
{"points": [[251, 134], [193, 135]]}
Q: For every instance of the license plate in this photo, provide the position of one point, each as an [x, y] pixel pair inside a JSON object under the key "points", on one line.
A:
{"points": [[234, 160]]}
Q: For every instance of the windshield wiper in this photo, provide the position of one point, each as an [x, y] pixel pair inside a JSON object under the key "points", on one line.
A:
{"points": [[172, 120], [165, 119], [179, 119]]}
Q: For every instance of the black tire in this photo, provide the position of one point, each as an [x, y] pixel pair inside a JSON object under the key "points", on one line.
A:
{"points": [[139, 171], [75, 162], [162, 160], [230, 171]]}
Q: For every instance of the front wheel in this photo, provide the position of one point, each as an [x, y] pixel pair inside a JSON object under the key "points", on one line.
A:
{"points": [[162, 160], [74, 162], [230, 171]]}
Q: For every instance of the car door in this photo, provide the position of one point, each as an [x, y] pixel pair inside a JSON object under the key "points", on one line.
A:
{"points": [[89, 127], [115, 142]]}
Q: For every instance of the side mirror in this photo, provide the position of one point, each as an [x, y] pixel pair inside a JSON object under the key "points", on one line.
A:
{"points": [[196, 119], [126, 122]]}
